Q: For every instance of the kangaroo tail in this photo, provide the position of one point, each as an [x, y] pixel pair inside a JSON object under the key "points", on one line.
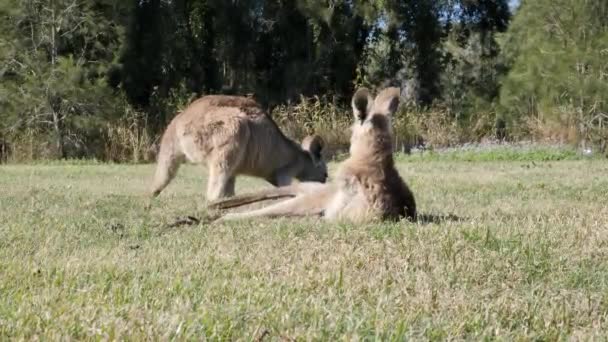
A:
{"points": [[258, 196]]}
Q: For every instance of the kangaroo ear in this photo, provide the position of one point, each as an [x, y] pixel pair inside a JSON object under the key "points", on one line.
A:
{"points": [[362, 104], [314, 145], [387, 101]]}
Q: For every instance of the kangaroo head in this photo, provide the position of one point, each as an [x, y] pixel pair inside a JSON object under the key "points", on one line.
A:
{"points": [[314, 169], [372, 130]]}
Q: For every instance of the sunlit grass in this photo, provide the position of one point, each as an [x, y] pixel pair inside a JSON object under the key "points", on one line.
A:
{"points": [[81, 257]]}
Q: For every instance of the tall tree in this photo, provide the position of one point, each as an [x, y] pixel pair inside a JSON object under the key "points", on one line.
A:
{"points": [[473, 64], [142, 59], [339, 34], [54, 75], [557, 51]]}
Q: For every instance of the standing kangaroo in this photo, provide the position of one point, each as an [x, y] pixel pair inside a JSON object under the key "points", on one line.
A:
{"points": [[367, 185], [233, 136]]}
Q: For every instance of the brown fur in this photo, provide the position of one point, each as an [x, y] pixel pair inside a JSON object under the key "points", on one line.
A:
{"points": [[367, 185], [233, 136], [246, 104]]}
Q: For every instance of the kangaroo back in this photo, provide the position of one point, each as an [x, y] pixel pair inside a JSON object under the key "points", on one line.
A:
{"points": [[232, 135]]}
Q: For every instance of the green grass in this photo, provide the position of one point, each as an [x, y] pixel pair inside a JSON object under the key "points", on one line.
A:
{"points": [[530, 153], [81, 258]]}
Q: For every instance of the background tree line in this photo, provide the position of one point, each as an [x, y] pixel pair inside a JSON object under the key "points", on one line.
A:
{"points": [[101, 78]]}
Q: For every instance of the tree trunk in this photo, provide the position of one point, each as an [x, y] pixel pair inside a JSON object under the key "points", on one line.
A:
{"points": [[59, 148], [56, 118]]}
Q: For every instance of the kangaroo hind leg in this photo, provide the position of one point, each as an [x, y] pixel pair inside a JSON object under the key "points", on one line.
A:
{"points": [[168, 162], [269, 194], [222, 174], [300, 206]]}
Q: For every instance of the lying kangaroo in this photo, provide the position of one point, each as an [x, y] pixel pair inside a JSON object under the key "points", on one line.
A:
{"points": [[367, 185], [233, 135]]}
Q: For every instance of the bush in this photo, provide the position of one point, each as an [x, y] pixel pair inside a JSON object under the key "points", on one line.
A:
{"points": [[412, 126]]}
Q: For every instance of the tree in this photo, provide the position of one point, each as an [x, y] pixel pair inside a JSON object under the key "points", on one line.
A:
{"points": [[557, 52], [339, 36], [410, 43], [67, 60], [53, 75]]}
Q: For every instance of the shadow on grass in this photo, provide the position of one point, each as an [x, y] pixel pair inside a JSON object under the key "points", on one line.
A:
{"points": [[437, 219], [422, 219]]}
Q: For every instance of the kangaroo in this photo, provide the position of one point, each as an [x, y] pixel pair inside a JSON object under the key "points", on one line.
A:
{"points": [[367, 185], [234, 136]]}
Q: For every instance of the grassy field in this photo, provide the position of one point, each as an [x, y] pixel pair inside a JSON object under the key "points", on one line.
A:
{"points": [[82, 258]]}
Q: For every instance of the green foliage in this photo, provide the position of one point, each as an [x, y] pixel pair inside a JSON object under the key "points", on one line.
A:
{"points": [[54, 86], [471, 81], [76, 72], [69, 65], [557, 50]]}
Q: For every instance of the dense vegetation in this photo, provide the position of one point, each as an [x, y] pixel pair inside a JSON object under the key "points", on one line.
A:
{"points": [[101, 78]]}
